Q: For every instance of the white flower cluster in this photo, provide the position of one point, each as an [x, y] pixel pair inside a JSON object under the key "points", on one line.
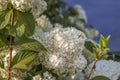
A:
{"points": [[108, 68], [44, 23], [91, 32], [81, 13], [22, 5], [36, 6], [47, 76], [77, 19], [65, 40], [3, 4], [37, 77], [64, 47], [80, 20]]}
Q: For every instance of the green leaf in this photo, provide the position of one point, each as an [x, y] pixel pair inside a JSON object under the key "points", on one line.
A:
{"points": [[3, 38], [117, 53], [30, 44], [1, 63], [100, 78], [103, 56], [118, 78], [104, 42], [5, 18], [89, 45], [115, 56], [22, 59], [24, 24]]}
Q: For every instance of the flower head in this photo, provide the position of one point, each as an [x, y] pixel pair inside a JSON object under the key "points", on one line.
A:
{"points": [[108, 68], [22, 5], [3, 4], [44, 23], [36, 6], [64, 46]]}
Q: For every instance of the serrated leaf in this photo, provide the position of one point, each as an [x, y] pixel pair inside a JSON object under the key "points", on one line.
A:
{"points": [[1, 63], [30, 44], [22, 59], [100, 78], [5, 18], [24, 24]]}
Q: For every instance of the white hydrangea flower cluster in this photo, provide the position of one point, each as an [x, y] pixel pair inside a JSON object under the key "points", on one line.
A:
{"points": [[47, 76], [3, 4], [22, 5], [44, 23], [37, 77], [65, 40], [80, 20], [80, 16], [38, 33], [79, 76], [108, 68], [64, 47], [38, 7], [91, 32], [81, 13]]}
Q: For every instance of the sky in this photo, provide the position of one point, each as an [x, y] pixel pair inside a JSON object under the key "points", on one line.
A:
{"points": [[105, 16]]}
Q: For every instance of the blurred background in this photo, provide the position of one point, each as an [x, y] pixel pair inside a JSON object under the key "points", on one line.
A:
{"points": [[104, 15]]}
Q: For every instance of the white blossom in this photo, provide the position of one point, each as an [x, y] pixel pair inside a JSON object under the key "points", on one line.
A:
{"points": [[37, 77], [64, 46], [44, 23], [38, 33], [3, 4], [91, 33], [81, 12], [68, 40], [108, 68], [58, 25], [48, 76], [22, 5], [79, 76], [79, 18], [38, 7]]}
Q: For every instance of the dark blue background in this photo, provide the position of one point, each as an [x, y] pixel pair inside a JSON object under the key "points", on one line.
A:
{"points": [[105, 16]]}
